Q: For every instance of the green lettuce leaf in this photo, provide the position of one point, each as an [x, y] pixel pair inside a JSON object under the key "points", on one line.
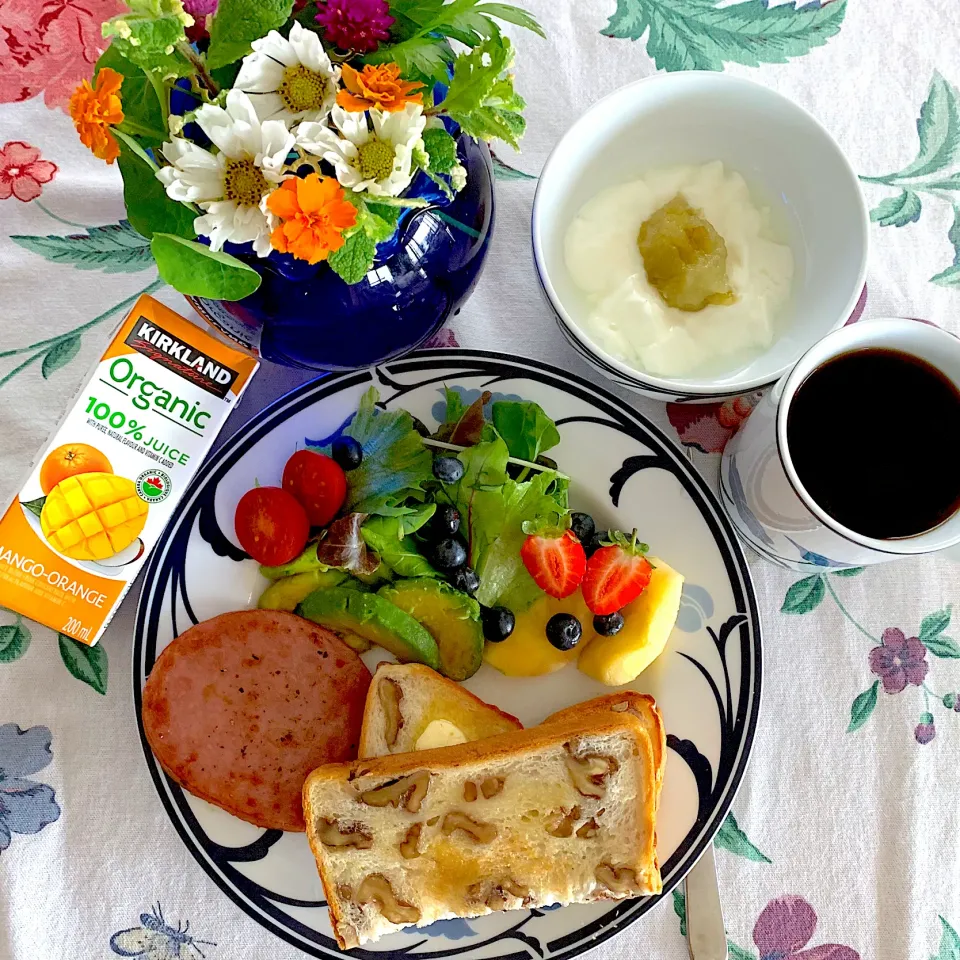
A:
{"points": [[525, 428], [494, 509], [395, 464], [389, 536], [344, 548]]}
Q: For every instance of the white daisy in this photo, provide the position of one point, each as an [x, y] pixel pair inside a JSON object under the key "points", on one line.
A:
{"points": [[229, 185], [377, 160], [289, 79]]}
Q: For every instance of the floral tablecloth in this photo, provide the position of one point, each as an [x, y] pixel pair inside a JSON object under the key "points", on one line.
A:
{"points": [[845, 838]]}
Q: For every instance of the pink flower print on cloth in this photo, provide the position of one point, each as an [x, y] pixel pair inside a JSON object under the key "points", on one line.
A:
{"points": [[22, 171]]}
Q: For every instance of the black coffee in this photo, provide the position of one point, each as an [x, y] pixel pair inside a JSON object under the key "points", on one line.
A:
{"points": [[864, 432]]}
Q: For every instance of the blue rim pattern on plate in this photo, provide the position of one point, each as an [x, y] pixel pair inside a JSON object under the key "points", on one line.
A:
{"points": [[737, 709]]}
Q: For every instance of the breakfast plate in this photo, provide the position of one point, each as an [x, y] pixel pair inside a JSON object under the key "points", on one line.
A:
{"points": [[625, 473]]}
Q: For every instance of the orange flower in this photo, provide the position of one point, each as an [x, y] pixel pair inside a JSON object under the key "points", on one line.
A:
{"points": [[95, 110], [377, 85], [313, 214]]}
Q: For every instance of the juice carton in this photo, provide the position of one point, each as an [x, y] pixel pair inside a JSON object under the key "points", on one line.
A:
{"points": [[104, 487]]}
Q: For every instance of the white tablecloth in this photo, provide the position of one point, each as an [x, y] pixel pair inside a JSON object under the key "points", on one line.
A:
{"points": [[839, 837]]}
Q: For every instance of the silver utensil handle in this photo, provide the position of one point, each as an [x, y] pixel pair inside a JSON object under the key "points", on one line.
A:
{"points": [[706, 935]]}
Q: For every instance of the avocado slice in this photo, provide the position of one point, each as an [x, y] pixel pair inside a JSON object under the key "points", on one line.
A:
{"points": [[373, 618], [452, 618], [287, 592]]}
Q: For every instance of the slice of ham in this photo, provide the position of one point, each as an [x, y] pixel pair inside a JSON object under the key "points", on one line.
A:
{"points": [[240, 708]]}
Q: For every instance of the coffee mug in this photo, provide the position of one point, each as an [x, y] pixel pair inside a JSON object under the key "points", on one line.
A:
{"points": [[759, 486]]}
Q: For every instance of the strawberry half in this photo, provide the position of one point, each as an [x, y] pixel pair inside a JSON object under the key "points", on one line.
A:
{"points": [[556, 563], [616, 575]]}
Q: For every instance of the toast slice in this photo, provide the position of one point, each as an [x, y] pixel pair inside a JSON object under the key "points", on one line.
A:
{"points": [[411, 707], [562, 813], [642, 706]]}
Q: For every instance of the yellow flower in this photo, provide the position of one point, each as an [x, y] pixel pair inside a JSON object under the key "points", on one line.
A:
{"points": [[377, 85], [313, 216], [96, 109]]}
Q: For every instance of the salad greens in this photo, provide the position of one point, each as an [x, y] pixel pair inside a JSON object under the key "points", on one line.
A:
{"points": [[395, 466], [393, 494], [390, 537]]}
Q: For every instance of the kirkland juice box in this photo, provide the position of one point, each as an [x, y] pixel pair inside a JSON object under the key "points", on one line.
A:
{"points": [[103, 489]]}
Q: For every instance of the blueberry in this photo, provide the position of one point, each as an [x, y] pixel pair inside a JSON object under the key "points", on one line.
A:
{"points": [[498, 623], [564, 631], [595, 542], [347, 452], [466, 580], [446, 521], [609, 625], [448, 554], [447, 469], [583, 526]]}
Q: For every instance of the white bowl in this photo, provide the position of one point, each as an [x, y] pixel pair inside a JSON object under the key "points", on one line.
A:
{"points": [[781, 151]]}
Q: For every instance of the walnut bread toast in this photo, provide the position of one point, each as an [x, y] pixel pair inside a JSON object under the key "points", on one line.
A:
{"points": [[562, 813], [408, 703]]}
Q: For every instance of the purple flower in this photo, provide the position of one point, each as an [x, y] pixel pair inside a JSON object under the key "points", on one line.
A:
{"points": [[899, 660], [786, 925], [442, 338], [358, 25], [200, 8], [925, 730]]}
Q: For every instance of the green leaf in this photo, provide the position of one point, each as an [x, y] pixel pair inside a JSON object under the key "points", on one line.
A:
{"points": [[700, 35], [503, 171], [525, 428], [149, 209], [938, 129], [237, 23], [354, 259], [481, 98], [934, 624], [138, 95], [951, 276], [14, 640], [148, 34], [398, 551], [395, 464], [862, 707], [59, 355], [949, 943], [34, 506], [739, 953], [496, 520], [897, 211], [731, 837], [680, 909], [804, 595], [944, 647], [442, 149], [112, 248], [515, 15], [195, 269], [455, 408], [88, 664], [849, 572]]}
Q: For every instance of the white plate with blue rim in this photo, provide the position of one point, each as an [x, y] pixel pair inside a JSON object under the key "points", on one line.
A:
{"points": [[624, 472]]}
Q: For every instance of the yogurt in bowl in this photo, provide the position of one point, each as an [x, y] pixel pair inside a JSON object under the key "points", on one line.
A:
{"points": [[771, 182]]}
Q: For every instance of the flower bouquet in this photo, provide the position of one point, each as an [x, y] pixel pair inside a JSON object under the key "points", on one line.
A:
{"points": [[292, 128]]}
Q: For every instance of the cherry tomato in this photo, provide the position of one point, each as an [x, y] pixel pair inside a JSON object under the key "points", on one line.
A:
{"points": [[318, 483], [271, 525]]}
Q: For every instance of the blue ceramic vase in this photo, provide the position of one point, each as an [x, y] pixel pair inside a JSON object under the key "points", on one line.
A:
{"points": [[306, 316]]}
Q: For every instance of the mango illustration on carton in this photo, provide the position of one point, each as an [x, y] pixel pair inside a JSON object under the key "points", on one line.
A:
{"points": [[102, 490]]}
